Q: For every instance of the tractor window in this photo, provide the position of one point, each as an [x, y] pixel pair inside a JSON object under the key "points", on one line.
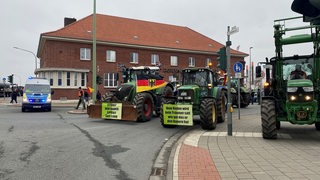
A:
{"points": [[200, 78], [293, 65]]}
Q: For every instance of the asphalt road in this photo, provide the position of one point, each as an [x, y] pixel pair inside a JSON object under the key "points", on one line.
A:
{"points": [[58, 145]]}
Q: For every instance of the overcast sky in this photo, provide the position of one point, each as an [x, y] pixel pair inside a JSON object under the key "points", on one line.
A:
{"points": [[23, 21]]}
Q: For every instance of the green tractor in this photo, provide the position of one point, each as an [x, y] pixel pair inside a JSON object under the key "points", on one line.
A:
{"points": [[291, 90], [200, 91], [245, 97], [141, 93]]}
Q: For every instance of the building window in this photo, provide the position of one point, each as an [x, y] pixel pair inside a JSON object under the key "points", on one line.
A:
{"points": [[192, 61], [59, 78], [111, 56], [51, 78], [75, 79], [154, 59], [68, 78], [83, 76], [208, 61], [85, 53], [110, 79], [134, 57], [174, 60]]}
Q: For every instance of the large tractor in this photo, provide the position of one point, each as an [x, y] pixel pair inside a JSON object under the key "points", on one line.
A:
{"points": [[292, 87], [245, 96], [200, 91], [140, 93]]}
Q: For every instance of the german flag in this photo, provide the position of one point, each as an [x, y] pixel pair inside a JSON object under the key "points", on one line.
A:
{"points": [[150, 84]]}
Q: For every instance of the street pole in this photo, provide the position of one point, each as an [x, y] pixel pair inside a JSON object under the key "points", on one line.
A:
{"points": [[35, 57], [94, 56], [228, 44], [249, 73]]}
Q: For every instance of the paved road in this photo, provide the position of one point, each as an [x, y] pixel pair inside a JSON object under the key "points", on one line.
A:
{"points": [[58, 145]]}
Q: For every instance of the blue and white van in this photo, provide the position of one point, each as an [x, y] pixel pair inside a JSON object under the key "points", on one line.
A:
{"points": [[36, 95]]}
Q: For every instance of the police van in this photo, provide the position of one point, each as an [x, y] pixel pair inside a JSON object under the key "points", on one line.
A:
{"points": [[36, 95]]}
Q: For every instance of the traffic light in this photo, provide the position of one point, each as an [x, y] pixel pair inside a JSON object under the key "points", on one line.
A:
{"points": [[222, 59], [10, 79], [310, 9], [258, 71]]}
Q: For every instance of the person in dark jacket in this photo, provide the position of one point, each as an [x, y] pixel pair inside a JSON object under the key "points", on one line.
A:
{"points": [[14, 95]]}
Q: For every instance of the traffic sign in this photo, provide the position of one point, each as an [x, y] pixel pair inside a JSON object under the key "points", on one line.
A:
{"points": [[237, 67]]}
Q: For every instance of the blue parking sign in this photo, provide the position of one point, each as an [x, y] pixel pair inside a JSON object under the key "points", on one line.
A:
{"points": [[237, 67]]}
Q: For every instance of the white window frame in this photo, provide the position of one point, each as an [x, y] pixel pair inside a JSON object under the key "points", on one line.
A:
{"points": [[85, 54], [154, 59], [111, 56], [110, 80], [174, 60], [192, 62], [134, 58]]}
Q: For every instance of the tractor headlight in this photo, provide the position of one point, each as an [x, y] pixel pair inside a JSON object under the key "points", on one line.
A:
{"points": [[293, 98], [308, 98], [308, 89], [292, 89]]}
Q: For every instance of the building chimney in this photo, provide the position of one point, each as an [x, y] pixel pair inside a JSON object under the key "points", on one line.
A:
{"points": [[68, 21]]}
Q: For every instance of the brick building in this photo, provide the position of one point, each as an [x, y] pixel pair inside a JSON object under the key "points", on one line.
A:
{"points": [[66, 54]]}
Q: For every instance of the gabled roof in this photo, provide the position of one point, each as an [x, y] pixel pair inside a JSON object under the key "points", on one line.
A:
{"points": [[118, 30]]}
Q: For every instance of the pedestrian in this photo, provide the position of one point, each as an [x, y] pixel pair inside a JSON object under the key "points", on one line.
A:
{"points": [[14, 96], [98, 96], [252, 97], [81, 98]]}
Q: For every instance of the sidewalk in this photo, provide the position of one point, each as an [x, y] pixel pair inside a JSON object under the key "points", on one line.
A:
{"points": [[213, 155]]}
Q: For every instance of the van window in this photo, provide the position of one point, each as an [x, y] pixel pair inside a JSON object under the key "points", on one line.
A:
{"points": [[37, 88]]}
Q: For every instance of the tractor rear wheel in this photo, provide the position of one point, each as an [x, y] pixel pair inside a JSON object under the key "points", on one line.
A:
{"points": [[317, 125], [166, 101], [268, 119], [144, 104], [208, 115], [222, 106]]}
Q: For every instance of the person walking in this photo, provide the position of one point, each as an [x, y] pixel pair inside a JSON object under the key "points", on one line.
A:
{"points": [[81, 98], [14, 96]]}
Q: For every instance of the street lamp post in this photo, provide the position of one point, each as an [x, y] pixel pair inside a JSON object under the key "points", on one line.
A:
{"points": [[35, 57], [250, 73], [94, 55]]}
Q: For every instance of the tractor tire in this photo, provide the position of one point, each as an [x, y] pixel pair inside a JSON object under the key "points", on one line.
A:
{"points": [[222, 106], [144, 104], [317, 125], [268, 119], [208, 114], [166, 101]]}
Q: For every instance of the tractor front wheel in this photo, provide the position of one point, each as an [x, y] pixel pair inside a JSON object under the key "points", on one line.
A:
{"points": [[268, 119], [222, 106], [208, 115], [144, 104]]}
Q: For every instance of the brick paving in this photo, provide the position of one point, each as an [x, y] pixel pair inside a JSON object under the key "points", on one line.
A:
{"points": [[196, 164]]}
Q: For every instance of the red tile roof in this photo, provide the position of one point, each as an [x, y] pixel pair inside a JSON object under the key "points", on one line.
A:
{"points": [[113, 29]]}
